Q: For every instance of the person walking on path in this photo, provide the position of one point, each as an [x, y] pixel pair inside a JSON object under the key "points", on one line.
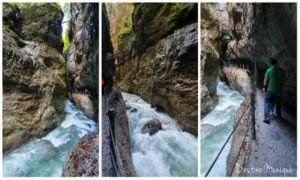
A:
{"points": [[273, 81]]}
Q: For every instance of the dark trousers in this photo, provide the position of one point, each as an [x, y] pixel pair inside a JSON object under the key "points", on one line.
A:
{"points": [[272, 99]]}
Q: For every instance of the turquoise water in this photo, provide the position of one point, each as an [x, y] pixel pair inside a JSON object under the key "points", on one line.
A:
{"points": [[45, 157], [169, 152], [215, 129]]}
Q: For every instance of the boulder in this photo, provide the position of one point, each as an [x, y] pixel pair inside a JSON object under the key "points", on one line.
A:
{"points": [[238, 79], [152, 127], [84, 103], [128, 107], [133, 110]]}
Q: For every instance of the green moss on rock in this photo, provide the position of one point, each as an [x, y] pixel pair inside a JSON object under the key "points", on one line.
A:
{"points": [[153, 21], [42, 22]]}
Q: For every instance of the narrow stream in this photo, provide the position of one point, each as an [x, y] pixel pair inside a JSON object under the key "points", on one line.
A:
{"points": [[215, 129], [45, 157], [169, 152]]}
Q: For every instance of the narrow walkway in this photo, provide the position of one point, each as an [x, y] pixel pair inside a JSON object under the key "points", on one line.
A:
{"points": [[274, 152]]}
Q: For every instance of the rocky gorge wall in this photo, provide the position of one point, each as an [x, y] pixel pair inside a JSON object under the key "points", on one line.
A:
{"points": [[210, 57], [157, 59], [82, 58], [34, 72]]}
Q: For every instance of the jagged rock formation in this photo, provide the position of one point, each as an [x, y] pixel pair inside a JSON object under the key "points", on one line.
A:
{"points": [[82, 58], [161, 64], [112, 99], [236, 25], [210, 57], [82, 160], [34, 72]]}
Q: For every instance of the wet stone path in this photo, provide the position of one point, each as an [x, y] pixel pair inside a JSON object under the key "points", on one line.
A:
{"points": [[274, 152]]}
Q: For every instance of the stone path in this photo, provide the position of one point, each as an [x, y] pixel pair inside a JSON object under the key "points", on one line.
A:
{"points": [[274, 152]]}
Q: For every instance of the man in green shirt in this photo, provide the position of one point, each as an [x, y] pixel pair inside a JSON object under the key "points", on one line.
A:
{"points": [[273, 81]]}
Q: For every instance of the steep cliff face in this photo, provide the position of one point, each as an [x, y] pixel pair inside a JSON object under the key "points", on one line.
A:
{"points": [[34, 72], [254, 33], [120, 20], [210, 57], [82, 59], [112, 99], [161, 66]]}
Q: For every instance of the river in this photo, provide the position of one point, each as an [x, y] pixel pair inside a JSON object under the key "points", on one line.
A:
{"points": [[45, 157], [169, 152], [216, 127]]}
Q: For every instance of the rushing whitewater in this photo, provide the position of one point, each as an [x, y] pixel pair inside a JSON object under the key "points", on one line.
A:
{"points": [[216, 128], [169, 152], [45, 156]]}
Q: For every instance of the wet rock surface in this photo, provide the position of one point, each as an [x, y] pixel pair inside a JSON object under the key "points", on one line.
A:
{"points": [[152, 127], [82, 160], [34, 72]]}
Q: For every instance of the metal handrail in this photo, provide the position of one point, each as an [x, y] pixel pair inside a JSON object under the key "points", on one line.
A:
{"points": [[113, 144]]}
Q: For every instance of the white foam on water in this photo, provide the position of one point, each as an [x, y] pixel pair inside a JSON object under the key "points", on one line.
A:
{"points": [[45, 157], [215, 129], [169, 152]]}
